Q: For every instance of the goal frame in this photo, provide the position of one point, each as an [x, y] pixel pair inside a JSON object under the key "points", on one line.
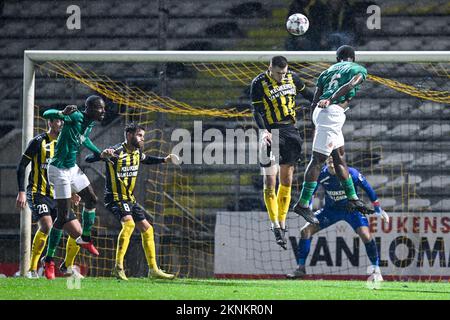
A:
{"points": [[33, 56]]}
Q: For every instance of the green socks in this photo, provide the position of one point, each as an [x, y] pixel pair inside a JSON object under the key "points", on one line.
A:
{"points": [[53, 240], [88, 219], [349, 189], [307, 192]]}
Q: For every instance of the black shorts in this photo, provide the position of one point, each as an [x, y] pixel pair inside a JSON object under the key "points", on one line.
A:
{"points": [[290, 145], [121, 209], [42, 206]]}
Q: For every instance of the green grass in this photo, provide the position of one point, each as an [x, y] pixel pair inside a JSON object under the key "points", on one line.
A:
{"points": [[194, 289]]}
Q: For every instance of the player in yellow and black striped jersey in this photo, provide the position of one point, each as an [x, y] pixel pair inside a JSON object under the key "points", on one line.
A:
{"points": [[273, 95], [39, 193], [121, 175]]}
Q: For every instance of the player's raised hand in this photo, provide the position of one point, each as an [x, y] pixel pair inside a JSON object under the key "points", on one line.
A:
{"points": [[21, 200], [323, 103], [384, 216], [172, 158], [380, 212], [69, 109]]}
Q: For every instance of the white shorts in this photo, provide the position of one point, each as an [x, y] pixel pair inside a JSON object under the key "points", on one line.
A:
{"points": [[328, 134], [64, 181]]}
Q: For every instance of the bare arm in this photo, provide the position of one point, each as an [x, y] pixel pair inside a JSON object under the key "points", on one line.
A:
{"points": [[317, 94], [342, 91]]}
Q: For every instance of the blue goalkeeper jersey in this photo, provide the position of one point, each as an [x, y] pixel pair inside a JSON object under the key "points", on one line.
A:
{"points": [[335, 198]]}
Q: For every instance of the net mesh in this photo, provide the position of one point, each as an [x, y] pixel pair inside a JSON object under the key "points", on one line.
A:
{"points": [[396, 135]]}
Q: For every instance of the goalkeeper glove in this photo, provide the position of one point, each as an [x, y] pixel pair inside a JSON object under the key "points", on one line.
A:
{"points": [[379, 211]]}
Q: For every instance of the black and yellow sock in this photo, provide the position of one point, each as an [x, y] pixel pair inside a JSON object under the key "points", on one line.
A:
{"points": [[270, 199], [123, 241], [283, 201], [148, 243], [349, 188], [88, 220], [38, 246], [72, 250]]}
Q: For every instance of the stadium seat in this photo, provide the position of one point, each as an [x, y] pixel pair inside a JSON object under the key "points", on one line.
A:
{"points": [[387, 203], [428, 108], [377, 180], [435, 131], [395, 108], [370, 131], [429, 159], [404, 130], [396, 159], [441, 205], [437, 182], [402, 180], [419, 204]]}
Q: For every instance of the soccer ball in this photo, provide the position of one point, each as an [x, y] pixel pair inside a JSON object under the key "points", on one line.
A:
{"points": [[297, 24]]}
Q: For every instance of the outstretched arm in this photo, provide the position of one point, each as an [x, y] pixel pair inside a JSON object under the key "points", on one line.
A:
{"points": [[365, 185], [58, 114]]}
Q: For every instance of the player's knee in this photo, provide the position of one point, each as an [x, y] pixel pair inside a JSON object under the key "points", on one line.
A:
{"points": [[91, 202], [45, 228], [59, 222], [365, 236], [318, 159], [270, 181], [305, 233]]}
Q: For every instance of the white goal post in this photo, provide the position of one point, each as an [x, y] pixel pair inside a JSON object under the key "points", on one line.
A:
{"points": [[32, 56]]}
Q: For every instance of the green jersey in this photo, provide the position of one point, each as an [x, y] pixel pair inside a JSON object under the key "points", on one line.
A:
{"points": [[74, 133], [336, 76]]}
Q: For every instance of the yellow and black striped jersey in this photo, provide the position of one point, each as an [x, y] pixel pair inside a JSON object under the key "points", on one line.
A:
{"points": [[275, 101], [40, 151], [122, 171]]}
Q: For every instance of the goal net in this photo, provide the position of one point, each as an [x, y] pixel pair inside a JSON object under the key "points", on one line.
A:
{"points": [[208, 212]]}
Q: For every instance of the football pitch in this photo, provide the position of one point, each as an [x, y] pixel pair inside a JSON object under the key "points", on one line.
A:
{"points": [[197, 289]]}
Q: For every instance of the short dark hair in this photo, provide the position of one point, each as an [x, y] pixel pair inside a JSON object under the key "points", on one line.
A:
{"points": [[132, 127], [279, 61], [344, 52], [93, 101]]}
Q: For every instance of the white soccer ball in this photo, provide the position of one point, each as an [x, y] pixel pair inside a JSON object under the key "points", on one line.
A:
{"points": [[297, 24]]}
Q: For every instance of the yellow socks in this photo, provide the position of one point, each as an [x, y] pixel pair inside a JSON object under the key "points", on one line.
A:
{"points": [[283, 200], [123, 241], [148, 243], [71, 251], [38, 246], [270, 199]]}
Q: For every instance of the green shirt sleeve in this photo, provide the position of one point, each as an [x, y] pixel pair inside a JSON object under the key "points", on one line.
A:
{"points": [[363, 71], [91, 146], [56, 114]]}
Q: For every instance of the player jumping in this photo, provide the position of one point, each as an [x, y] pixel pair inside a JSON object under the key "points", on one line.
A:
{"points": [[335, 210], [65, 175], [39, 194], [336, 86], [121, 175], [273, 98]]}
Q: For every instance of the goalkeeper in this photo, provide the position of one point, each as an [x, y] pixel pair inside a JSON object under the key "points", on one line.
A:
{"points": [[335, 211], [121, 175]]}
